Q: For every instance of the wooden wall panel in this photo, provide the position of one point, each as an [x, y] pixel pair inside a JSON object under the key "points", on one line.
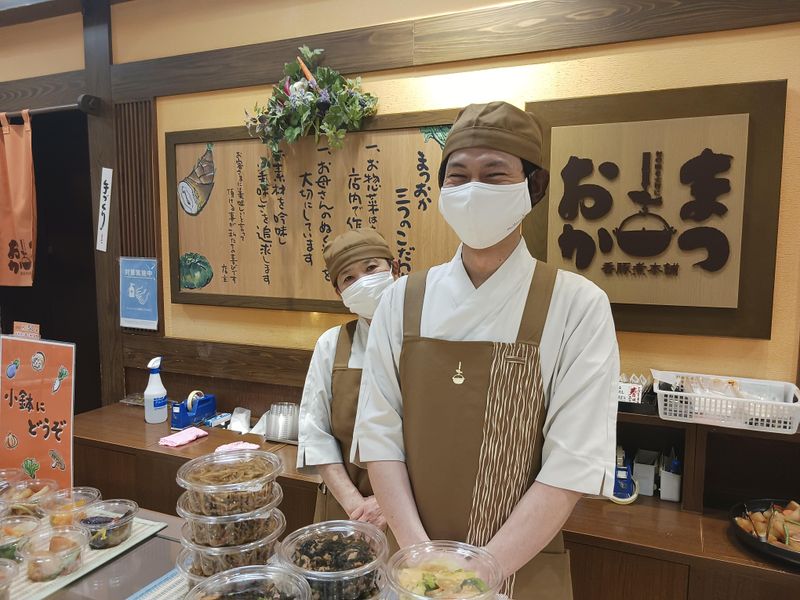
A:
{"points": [[600, 574], [135, 183], [725, 584], [42, 92]]}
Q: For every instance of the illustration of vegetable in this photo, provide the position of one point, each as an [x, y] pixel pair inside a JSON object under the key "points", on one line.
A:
{"points": [[195, 189], [30, 466], [196, 271], [11, 441], [58, 461], [438, 133], [37, 361], [11, 369], [62, 375]]}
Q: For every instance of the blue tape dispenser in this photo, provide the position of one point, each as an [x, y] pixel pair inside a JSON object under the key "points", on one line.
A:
{"points": [[197, 408]]}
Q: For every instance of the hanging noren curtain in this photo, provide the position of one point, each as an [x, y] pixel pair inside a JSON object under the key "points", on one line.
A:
{"points": [[17, 203]]}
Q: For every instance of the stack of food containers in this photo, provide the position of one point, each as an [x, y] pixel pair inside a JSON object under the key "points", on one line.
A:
{"points": [[230, 513]]}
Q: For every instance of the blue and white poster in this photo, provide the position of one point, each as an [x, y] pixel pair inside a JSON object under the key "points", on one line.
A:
{"points": [[138, 293]]}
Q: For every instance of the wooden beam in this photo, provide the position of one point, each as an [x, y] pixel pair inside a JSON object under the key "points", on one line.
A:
{"points": [[366, 49], [14, 12], [41, 92], [102, 153], [242, 362], [537, 26], [556, 25]]}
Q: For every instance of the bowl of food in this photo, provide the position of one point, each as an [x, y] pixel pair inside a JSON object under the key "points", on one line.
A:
{"points": [[54, 552], [261, 583], [9, 476], [68, 506], [339, 559], [206, 561], [13, 532], [230, 530], [770, 526], [227, 483], [109, 522], [8, 570], [23, 497], [451, 570]]}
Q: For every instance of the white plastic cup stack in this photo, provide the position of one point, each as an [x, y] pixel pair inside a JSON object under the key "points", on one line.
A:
{"points": [[282, 420]]}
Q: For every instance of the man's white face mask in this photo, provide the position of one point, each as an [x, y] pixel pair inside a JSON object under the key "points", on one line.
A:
{"points": [[483, 214], [363, 295]]}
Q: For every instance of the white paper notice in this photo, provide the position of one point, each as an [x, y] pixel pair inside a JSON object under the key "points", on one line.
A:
{"points": [[104, 212]]}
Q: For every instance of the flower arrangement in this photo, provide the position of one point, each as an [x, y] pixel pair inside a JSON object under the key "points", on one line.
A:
{"points": [[310, 98]]}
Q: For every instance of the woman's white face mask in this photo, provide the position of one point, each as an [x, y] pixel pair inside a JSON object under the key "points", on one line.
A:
{"points": [[483, 214], [363, 295]]}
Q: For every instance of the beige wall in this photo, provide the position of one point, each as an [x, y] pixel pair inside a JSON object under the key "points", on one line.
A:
{"points": [[146, 29], [41, 47], [750, 55]]}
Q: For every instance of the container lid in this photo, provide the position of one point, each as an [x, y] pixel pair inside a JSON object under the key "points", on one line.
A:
{"points": [[69, 500], [121, 511], [184, 563], [12, 529], [367, 539], [277, 528], [40, 541], [276, 497], [441, 562], [8, 570], [41, 488], [234, 471], [267, 581]]}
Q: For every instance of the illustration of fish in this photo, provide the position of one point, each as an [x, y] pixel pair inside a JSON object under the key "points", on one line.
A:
{"points": [[194, 190], [12, 368], [62, 375], [438, 133], [58, 461]]}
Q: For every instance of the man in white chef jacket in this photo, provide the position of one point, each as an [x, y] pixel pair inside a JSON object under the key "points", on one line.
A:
{"points": [[490, 178]]}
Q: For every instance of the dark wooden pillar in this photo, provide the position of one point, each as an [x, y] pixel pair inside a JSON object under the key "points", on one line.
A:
{"points": [[102, 153]]}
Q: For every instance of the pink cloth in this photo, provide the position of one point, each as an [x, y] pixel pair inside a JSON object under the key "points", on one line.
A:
{"points": [[237, 446], [182, 437]]}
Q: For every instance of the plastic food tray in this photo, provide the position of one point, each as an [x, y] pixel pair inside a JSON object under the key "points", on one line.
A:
{"points": [[779, 412]]}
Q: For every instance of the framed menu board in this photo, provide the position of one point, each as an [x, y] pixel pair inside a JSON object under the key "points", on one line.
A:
{"points": [[245, 233]]}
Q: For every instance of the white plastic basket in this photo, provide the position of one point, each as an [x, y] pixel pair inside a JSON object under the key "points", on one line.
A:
{"points": [[778, 412]]}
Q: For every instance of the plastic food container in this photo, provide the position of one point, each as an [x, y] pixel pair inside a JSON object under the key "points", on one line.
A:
{"points": [[207, 561], [8, 570], [185, 563], [13, 532], [227, 483], [109, 522], [53, 552], [443, 570], [9, 476], [259, 582], [23, 497], [68, 506], [231, 530], [339, 559]]}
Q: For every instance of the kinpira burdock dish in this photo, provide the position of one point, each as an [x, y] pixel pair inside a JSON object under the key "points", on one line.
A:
{"points": [[230, 530], [205, 561], [341, 560], [769, 526], [440, 569], [252, 583], [227, 483]]}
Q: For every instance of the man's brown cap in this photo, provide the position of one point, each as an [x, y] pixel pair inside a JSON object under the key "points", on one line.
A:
{"points": [[352, 246], [499, 126]]}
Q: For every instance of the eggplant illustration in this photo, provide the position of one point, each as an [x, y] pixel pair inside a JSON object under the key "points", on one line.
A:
{"points": [[12, 368]]}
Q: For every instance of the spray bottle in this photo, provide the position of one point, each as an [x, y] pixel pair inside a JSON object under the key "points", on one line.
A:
{"points": [[155, 394]]}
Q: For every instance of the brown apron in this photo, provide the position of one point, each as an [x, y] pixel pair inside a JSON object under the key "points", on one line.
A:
{"points": [[17, 203], [345, 385], [473, 418]]}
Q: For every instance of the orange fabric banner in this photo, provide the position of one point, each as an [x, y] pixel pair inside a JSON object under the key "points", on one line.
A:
{"points": [[36, 407], [17, 203]]}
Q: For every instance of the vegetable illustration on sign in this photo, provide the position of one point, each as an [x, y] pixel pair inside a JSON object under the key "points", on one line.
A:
{"points": [[12, 368], [195, 271], [30, 466], [62, 375], [194, 190]]}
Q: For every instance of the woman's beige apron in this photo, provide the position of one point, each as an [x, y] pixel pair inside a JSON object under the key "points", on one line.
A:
{"points": [[345, 385], [473, 415], [17, 203]]}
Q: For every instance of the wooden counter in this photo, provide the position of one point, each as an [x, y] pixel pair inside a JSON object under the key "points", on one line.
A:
{"points": [[650, 549]]}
